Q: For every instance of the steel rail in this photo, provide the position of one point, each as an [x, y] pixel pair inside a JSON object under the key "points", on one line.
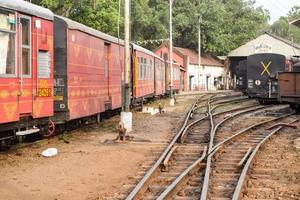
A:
{"points": [[241, 181], [247, 129], [208, 161], [213, 96], [170, 189], [218, 105], [137, 189], [133, 194], [180, 178], [240, 98], [221, 144]]}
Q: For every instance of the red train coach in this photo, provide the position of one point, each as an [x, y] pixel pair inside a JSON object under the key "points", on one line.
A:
{"points": [[26, 68], [88, 71], [159, 76], [143, 73], [176, 77]]}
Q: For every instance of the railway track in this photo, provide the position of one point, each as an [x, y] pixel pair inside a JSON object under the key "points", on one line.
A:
{"points": [[228, 156], [182, 160]]}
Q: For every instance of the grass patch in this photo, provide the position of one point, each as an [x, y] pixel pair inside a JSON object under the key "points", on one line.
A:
{"points": [[64, 136]]}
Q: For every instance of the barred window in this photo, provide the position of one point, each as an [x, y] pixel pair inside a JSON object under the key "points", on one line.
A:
{"points": [[7, 42]]}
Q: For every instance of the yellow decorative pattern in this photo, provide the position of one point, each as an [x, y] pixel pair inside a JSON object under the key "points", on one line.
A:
{"points": [[26, 93], [84, 104], [15, 93], [76, 50], [37, 107], [10, 110], [89, 53], [43, 83], [4, 94], [71, 105], [78, 93]]}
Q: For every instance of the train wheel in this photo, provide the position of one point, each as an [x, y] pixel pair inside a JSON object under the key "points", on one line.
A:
{"points": [[51, 129]]}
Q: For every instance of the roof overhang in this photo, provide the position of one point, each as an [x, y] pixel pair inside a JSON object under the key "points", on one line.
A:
{"points": [[296, 23]]}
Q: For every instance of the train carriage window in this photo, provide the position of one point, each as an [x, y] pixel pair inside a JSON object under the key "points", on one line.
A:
{"points": [[151, 68], [145, 69], [43, 64], [140, 68], [106, 59], [26, 63], [7, 42]]}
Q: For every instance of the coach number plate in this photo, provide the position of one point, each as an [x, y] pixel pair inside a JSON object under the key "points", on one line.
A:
{"points": [[44, 92]]}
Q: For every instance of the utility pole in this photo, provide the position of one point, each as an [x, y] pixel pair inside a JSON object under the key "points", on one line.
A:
{"points": [[127, 57], [199, 46], [126, 116], [171, 53], [199, 42]]}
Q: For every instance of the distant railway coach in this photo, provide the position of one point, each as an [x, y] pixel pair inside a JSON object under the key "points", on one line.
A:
{"points": [[176, 77], [262, 71], [241, 76], [143, 73], [289, 87], [88, 71], [160, 76], [26, 68]]}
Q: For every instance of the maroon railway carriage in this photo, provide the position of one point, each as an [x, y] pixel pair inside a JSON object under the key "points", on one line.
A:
{"points": [[26, 68], [142, 73], [289, 87], [88, 71], [159, 76], [176, 77]]}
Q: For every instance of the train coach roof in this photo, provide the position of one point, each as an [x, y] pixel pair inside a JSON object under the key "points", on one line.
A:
{"points": [[83, 28], [27, 8], [142, 49]]}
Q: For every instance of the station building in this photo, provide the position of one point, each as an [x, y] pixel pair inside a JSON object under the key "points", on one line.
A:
{"points": [[210, 75], [265, 43]]}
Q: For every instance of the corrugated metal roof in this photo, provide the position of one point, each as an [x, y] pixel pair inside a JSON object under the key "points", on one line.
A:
{"points": [[27, 8], [296, 23], [83, 28]]}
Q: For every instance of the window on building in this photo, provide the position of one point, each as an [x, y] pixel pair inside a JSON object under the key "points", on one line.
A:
{"points": [[7, 42], [26, 64]]}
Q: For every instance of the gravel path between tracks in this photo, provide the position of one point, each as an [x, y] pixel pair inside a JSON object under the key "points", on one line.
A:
{"points": [[86, 167], [275, 173]]}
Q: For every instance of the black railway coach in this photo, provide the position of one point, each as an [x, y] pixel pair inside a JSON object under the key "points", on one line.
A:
{"points": [[241, 76], [262, 72]]}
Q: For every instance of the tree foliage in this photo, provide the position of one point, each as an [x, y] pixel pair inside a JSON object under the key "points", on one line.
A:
{"points": [[226, 24], [282, 28]]}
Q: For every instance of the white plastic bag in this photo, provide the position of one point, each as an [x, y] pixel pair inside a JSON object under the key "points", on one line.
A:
{"points": [[50, 152]]}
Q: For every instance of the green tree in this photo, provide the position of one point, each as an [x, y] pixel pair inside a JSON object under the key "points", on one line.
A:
{"points": [[226, 24], [282, 28], [101, 15]]}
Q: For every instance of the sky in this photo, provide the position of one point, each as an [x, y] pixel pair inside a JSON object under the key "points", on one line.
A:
{"points": [[277, 8]]}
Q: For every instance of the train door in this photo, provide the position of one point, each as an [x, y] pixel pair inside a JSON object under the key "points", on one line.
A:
{"points": [[25, 66], [107, 75]]}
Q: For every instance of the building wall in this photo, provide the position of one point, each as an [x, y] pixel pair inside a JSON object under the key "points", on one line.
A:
{"points": [[204, 78], [164, 50]]}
